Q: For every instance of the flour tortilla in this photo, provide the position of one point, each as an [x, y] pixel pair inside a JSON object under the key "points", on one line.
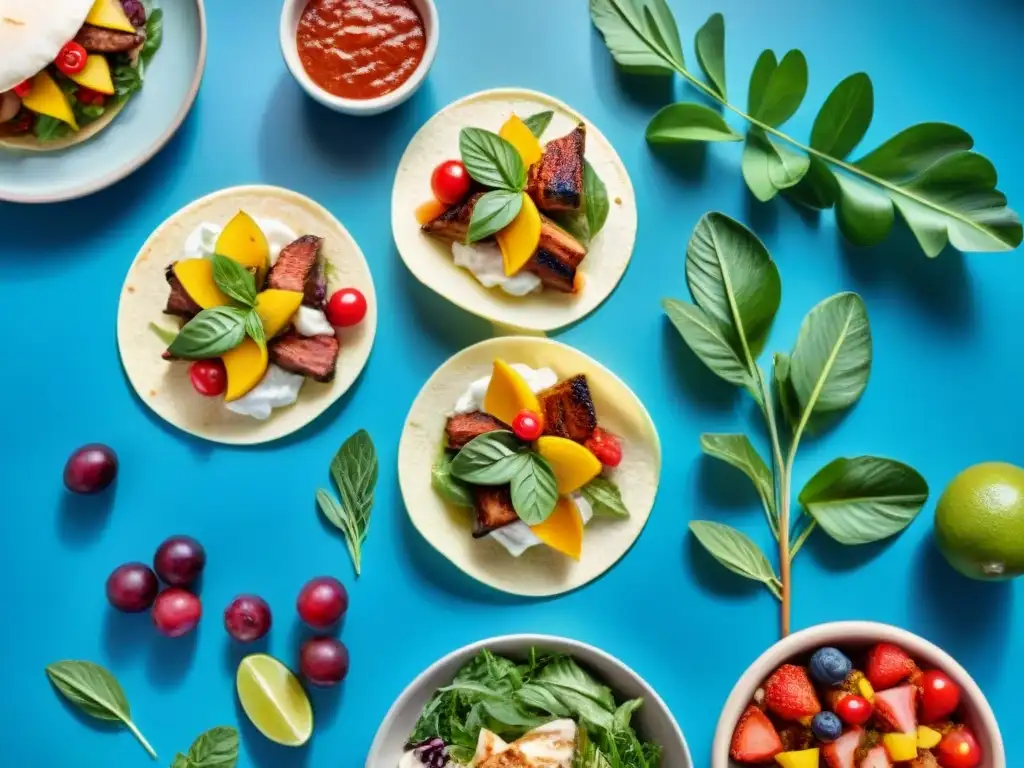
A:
{"points": [[32, 144], [165, 387], [430, 259], [540, 571]]}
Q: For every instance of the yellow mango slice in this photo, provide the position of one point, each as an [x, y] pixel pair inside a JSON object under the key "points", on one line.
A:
{"points": [[563, 530], [276, 309], [805, 758], [865, 688], [519, 240], [927, 738], [46, 98], [508, 394], [574, 466], [902, 747], [516, 133], [244, 241], [96, 75], [109, 14], [245, 366], [196, 277]]}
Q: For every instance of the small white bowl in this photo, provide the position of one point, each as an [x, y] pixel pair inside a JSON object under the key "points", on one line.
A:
{"points": [[653, 720], [291, 13], [860, 634]]}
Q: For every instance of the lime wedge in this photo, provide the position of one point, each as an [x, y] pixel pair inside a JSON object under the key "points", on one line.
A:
{"points": [[274, 700]]}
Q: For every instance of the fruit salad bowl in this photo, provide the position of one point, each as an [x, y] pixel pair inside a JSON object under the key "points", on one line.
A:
{"points": [[796, 673]]}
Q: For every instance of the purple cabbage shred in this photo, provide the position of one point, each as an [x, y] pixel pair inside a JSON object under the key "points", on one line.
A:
{"points": [[135, 11], [432, 753]]}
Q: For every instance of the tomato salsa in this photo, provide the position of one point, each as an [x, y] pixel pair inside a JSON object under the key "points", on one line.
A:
{"points": [[360, 49]]}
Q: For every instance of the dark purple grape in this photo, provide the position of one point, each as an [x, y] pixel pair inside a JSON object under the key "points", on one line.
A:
{"points": [[247, 618], [179, 560], [323, 661], [90, 469], [135, 11], [132, 587]]}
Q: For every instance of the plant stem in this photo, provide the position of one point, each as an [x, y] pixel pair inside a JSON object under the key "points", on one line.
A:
{"points": [[142, 739]]}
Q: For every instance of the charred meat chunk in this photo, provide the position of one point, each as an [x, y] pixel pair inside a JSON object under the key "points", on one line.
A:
{"points": [[569, 409], [99, 40], [179, 302], [463, 427], [313, 356], [557, 257], [494, 510], [453, 224], [298, 268], [556, 180]]}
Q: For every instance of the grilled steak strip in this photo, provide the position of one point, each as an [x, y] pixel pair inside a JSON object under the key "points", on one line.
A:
{"points": [[297, 268], [314, 356], [569, 410], [99, 40], [494, 510], [453, 224], [556, 180], [179, 302], [463, 427]]}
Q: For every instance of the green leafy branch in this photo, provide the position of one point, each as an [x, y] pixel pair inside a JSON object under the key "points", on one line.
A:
{"points": [[945, 192], [736, 292]]}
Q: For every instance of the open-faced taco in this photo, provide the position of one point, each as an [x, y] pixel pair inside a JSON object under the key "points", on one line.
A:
{"points": [[514, 207], [528, 465], [67, 67], [245, 315]]}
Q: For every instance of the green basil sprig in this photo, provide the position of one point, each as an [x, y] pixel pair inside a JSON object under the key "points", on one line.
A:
{"points": [[209, 334], [234, 280], [495, 163], [354, 469], [604, 497], [216, 748], [494, 211], [534, 490]]}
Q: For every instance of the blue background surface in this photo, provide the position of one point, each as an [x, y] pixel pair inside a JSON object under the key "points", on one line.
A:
{"points": [[944, 391]]}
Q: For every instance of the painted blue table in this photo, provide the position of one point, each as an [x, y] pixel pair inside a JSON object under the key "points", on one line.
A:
{"points": [[945, 390]]}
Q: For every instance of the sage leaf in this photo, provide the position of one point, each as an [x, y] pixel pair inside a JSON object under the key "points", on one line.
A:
{"points": [[216, 748], [450, 489], [845, 116], [818, 189], [629, 37], [707, 340], [710, 44], [489, 459], [494, 211], [354, 468], [234, 280], [864, 499], [783, 90], [534, 490], [736, 551], [689, 121], [864, 213], [96, 692], [605, 498], [209, 334], [491, 160], [737, 451], [539, 122], [831, 361], [595, 198]]}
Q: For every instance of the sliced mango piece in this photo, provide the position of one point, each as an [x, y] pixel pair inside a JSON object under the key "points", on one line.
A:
{"points": [[244, 241], [46, 98], [519, 240], [804, 758], [865, 688], [96, 75], [196, 277], [428, 211], [927, 738], [245, 366], [109, 14], [902, 747], [518, 134], [276, 309], [563, 530], [574, 466], [508, 394]]}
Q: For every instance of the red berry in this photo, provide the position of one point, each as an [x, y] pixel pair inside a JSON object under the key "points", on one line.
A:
{"points": [[755, 739], [208, 377], [322, 602], [179, 560], [132, 587], [247, 618], [90, 469], [606, 447], [71, 59], [790, 694], [23, 90], [323, 661], [527, 426], [888, 665], [940, 696], [450, 182], [176, 612], [853, 710], [959, 749], [346, 307], [90, 97]]}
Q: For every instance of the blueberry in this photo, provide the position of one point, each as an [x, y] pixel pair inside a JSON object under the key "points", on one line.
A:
{"points": [[830, 667], [826, 726]]}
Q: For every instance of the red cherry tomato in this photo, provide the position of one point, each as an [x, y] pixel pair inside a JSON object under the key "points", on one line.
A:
{"points": [[450, 182], [71, 59], [940, 696], [346, 307], [23, 90], [91, 97], [527, 426], [959, 749], [208, 377], [606, 447], [853, 710]]}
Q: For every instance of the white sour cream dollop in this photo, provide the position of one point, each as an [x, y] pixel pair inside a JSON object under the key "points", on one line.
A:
{"points": [[485, 262], [201, 242], [517, 537], [277, 389], [309, 321]]}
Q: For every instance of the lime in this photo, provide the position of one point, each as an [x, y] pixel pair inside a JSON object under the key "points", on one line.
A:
{"points": [[979, 522], [274, 700]]}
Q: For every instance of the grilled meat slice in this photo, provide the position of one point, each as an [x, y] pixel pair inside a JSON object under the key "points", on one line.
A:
{"points": [[99, 40], [557, 257], [314, 356], [556, 180], [298, 268], [494, 510], [453, 224], [463, 427], [569, 409], [179, 302]]}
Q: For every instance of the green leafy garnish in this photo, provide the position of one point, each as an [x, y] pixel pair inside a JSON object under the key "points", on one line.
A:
{"points": [[164, 334], [127, 80], [491, 160], [451, 490], [494, 211], [210, 334], [354, 470], [234, 280], [604, 498], [216, 748], [48, 128], [539, 122]]}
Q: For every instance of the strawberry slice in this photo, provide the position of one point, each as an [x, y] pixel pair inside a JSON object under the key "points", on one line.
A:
{"points": [[755, 739], [896, 708], [842, 752], [876, 758], [790, 694], [888, 665]]}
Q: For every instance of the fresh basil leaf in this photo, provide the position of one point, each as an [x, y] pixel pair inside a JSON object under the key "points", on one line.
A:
{"points": [[864, 213], [355, 469], [784, 89], [707, 340], [739, 452], [736, 551], [632, 38], [164, 334], [595, 198], [534, 489], [489, 459], [564, 673], [689, 121], [491, 160], [254, 328], [127, 80], [845, 116], [450, 489], [216, 748], [180, 761], [864, 499], [539, 122], [210, 334], [710, 44], [624, 714], [234, 280], [604, 498], [48, 128], [493, 212], [154, 33], [540, 698]]}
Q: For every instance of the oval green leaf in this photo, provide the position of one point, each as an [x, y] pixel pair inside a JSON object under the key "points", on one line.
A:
{"points": [[914, 149], [493, 212], [595, 199], [539, 122], [864, 213], [704, 336], [210, 334], [605, 498], [756, 151], [450, 489], [739, 452], [534, 489], [764, 68], [689, 121], [818, 189], [632, 44], [216, 748], [710, 44], [845, 116], [784, 90], [491, 160], [234, 280], [736, 551], [490, 459]]}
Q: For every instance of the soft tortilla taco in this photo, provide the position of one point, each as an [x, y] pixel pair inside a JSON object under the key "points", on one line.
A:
{"points": [[528, 465], [514, 207], [227, 324], [68, 67]]}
